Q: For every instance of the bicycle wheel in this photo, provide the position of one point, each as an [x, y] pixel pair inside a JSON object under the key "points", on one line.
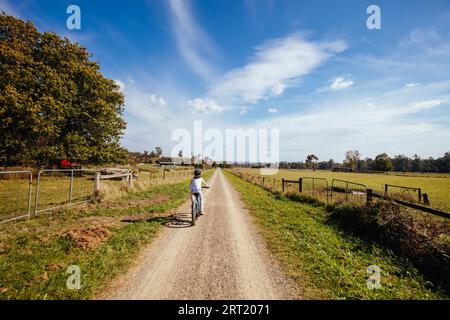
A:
{"points": [[193, 212]]}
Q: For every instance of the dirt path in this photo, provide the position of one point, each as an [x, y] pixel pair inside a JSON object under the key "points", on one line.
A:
{"points": [[221, 257]]}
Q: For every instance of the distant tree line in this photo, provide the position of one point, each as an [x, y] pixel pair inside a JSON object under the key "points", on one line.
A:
{"points": [[381, 163]]}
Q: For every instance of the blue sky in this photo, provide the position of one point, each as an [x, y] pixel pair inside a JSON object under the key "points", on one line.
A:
{"points": [[311, 69]]}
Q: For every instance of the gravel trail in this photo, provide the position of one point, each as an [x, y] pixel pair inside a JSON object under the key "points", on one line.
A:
{"points": [[221, 257]]}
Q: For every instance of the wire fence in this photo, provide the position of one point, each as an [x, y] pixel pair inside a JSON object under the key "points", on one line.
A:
{"points": [[57, 188], [15, 195], [22, 196], [339, 191], [343, 191], [348, 191]]}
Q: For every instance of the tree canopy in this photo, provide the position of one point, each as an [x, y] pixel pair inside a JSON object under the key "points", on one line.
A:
{"points": [[54, 101]]}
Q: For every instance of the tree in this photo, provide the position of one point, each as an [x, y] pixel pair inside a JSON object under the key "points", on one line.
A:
{"points": [[416, 164], [331, 164], [180, 153], [383, 163], [351, 159], [54, 102], [401, 163], [310, 160], [158, 151]]}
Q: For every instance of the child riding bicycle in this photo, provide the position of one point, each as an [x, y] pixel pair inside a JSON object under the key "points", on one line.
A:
{"points": [[196, 187]]}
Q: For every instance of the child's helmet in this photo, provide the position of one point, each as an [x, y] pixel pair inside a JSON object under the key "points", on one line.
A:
{"points": [[197, 172]]}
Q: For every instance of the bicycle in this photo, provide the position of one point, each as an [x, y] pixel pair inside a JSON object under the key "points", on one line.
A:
{"points": [[196, 207]]}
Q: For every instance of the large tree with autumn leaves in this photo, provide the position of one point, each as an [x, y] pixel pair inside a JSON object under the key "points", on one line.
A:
{"points": [[54, 101]]}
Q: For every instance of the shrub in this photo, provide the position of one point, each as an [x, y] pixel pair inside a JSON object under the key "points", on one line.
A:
{"points": [[421, 238]]}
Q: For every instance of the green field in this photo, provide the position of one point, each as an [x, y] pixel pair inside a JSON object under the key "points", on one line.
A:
{"points": [[325, 260], [436, 186]]}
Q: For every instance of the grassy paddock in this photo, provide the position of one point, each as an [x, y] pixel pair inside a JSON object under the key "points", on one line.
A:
{"points": [[324, 260], [436, 186], [102, 239], [54, 189]]}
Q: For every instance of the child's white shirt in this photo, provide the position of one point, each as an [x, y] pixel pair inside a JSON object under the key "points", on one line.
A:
{"points": [[196, 184]]}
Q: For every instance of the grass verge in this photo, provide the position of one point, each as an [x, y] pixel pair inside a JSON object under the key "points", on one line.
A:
{"points": [[101, 239], [325, 260]]}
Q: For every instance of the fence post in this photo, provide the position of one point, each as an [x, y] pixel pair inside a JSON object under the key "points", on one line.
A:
{"points": [[36, 198], [346, 192], [300, 185], [130, 179], [282, 185], [97, 183], [30, 187], [426, 201], [71, 186], [420, 195], [385, 190], [369, 195]]}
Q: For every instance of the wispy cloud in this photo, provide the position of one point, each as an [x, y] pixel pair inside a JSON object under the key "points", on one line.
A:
{"points": [[429, 41], [156, 101], [193, 42], [272, 110], [391, 121], [120, 84], [205, 106], [340, 83], [274, 66]]}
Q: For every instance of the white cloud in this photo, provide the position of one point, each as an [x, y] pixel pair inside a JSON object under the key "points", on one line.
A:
{"points": [[278, 89], [205, 106], [428, 104], [426, 40], [387, 121], [244, 110], [194, 44], [120, 84], [272, 110], [340, 83], [273, 67], [412, 85], [156, 101]]}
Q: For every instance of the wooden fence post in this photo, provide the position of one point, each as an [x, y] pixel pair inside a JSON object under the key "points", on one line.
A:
{"points": [[426, 201], [282, 185], [97, 183], [300, 185], [369, 195]]}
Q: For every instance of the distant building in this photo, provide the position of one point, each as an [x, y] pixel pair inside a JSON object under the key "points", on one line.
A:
{"points": [[167, 164]]}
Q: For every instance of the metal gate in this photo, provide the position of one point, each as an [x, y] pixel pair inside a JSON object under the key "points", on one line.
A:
{"points": [[15, 195], [59, 188]]}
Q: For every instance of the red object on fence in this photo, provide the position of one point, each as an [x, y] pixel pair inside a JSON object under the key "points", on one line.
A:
{"points": [[66, 163]]}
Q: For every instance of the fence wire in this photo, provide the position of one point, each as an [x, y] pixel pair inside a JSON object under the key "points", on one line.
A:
{"points": [[15, 195], [56, 188]]}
